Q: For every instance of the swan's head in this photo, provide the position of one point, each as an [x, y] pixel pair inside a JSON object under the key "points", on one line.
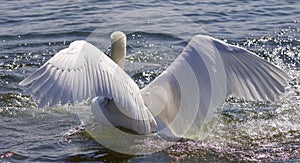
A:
{"points": [[118, 47]]}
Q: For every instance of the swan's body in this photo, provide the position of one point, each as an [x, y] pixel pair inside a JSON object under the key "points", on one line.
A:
{"points": [[181, 98]]}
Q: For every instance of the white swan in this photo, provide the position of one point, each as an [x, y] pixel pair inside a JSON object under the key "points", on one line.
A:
{"points": [[188, 91]]}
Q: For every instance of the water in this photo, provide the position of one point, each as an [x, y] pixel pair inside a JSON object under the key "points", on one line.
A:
{"points": [[33, 31]]}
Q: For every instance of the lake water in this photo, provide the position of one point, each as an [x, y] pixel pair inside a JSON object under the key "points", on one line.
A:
{"points": [[32, 31]]}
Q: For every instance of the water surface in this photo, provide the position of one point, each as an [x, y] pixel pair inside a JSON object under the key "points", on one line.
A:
{"points": [[32, 31]]}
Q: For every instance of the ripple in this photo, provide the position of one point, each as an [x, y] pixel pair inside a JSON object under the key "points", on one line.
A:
{"points": [[33, 31]]}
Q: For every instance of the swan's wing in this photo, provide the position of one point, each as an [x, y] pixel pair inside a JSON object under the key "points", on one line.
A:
{"points": [[81, 72], [249, 76], [207, 71]]}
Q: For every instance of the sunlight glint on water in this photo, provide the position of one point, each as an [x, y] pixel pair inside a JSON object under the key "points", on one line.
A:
{"points": [[31, 33]]}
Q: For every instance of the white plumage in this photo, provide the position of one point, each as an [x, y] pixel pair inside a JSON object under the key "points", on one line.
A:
{"points": [[204, 74], [181, 98], [81, 72]]}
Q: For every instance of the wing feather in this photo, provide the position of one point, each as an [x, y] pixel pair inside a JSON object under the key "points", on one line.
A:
{"points": [[210, 70], [269, 80], [251, 82], [82, 71]]}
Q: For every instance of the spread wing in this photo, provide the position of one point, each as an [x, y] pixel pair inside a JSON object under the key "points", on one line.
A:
{"points": [[81, 72], [249, 76], [205, 73]]}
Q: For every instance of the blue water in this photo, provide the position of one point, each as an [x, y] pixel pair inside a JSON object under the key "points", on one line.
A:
{"points": [[32, 31]]}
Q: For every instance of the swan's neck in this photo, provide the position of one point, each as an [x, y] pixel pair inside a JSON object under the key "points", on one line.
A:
{"points": [[118, 48]]}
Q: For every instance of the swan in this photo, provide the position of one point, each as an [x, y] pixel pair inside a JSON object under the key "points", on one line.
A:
{"points": [[179, 100]]}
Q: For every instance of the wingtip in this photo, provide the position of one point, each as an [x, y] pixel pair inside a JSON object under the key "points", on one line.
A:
{"points": [[77, 42], [201, 36]]}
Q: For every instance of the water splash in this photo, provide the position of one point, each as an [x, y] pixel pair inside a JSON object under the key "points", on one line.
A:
{"points": [[66, 137]]}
